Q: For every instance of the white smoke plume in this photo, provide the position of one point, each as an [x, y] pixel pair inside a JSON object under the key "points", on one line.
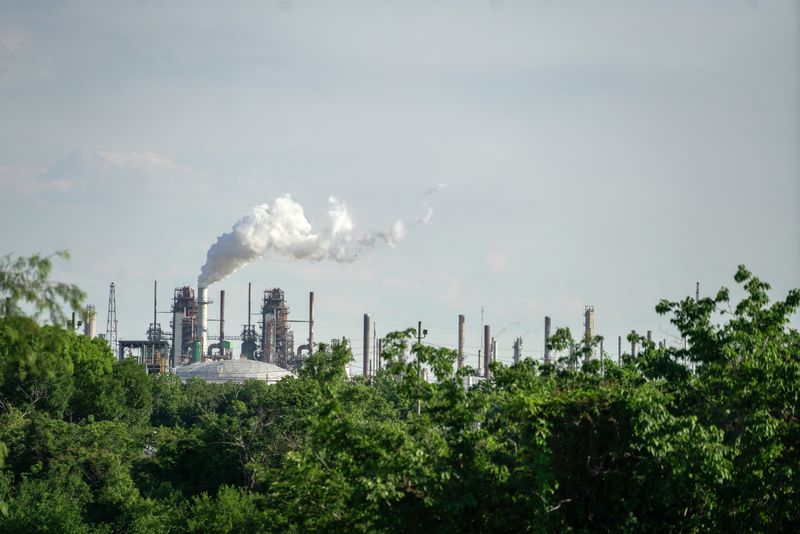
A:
{"points": [[282, 229]]}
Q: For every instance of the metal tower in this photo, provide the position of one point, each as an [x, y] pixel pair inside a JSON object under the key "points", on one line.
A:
{"points": [[112, 329]]}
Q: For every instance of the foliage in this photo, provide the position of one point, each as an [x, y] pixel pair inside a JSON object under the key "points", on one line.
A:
{"points": [[26, 281], [673, 439]]}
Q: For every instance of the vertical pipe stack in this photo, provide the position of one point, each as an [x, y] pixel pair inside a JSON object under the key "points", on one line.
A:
{"points": [[268, 324], [379, 353], [547, 324], [249, 288], [222, 323], [90, 326], [487, 349], [460, 342], [633, 343], [177, 338], [367, 330], [155, 302], [311, 323], [202, 317], [619, 349], [588, 334]]}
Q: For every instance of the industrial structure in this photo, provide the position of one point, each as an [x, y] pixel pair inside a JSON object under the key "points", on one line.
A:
{"points": [[188, 346]]}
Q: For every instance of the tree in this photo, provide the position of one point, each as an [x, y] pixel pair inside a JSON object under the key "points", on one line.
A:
{"points": [[25, 281]]}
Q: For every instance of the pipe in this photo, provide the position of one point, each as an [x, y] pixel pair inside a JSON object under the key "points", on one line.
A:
{"points": [[221, 321], [460, 342], [366, 344], [311, 322], [90, 326], [487, 350], [547, 325], [155, 302], [202, 316], [588, 332], [177, 339], [249, 287]]}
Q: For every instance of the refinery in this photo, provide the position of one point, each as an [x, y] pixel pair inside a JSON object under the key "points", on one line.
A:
{"points": [[265, 348]]}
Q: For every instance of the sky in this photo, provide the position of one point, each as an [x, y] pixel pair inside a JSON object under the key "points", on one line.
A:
{"points": [[595, 153]]}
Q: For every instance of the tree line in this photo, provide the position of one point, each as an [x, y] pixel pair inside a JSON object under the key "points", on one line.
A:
{"points": [[91, 444]]}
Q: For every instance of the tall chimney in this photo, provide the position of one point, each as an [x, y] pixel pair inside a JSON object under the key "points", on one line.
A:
{"points": [[311, 323], [379, 354], [588, 332], [90, 326], [633, 343], [367, 344], [249, 312], [619, 349], [155, 302], [460, 363], [222, 323], [177, 337], [202, 317], [487, 349], [547, 324]]}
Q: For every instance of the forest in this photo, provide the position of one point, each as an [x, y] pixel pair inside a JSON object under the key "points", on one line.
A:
{"points": [[701, 437]]}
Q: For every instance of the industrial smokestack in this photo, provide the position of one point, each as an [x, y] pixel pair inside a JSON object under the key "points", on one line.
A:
{"points": [[177, 338], [202, 317], [367, 344], [222, 322], [487, 349], [460, 342], [90, 326], [546, 339], [311, 323], [155, 302], [588, 332]]}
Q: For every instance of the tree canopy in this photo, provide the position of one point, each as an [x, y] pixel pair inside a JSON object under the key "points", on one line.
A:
{"points": [[687, 438]]}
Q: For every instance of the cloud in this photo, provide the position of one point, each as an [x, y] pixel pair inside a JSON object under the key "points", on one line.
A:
{"points": [[89, 168]]}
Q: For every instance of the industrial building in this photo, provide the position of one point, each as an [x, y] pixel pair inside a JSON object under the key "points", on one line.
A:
{"points": [[189, 349]]}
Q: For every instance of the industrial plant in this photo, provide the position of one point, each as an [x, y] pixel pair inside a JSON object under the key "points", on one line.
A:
{"points": [[266, 349]]}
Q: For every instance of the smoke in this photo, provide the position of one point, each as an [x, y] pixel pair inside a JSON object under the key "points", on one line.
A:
{"points": [[282, 229]]}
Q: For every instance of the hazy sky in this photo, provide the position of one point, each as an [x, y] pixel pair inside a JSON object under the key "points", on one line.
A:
{"points": [[596, 153]]}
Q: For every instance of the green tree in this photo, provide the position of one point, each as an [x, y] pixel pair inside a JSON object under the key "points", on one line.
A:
{"points": [[26, 281]]}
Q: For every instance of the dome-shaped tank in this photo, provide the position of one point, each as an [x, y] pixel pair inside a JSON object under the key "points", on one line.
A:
{"points": [[220, 371]]}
